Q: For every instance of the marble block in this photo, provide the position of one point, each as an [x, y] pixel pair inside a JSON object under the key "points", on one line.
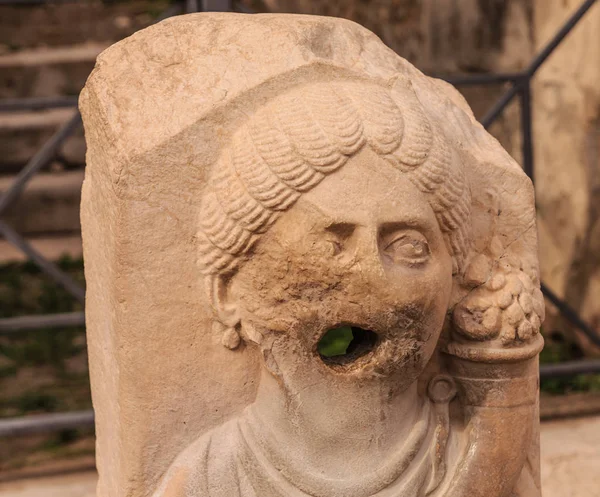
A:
{"points": [[256, 183]]}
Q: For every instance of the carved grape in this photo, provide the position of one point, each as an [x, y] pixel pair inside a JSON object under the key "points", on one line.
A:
{"points": [[508, 306]]}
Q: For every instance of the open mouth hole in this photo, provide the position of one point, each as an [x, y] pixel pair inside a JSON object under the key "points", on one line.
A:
{"points": [[345, 344]]}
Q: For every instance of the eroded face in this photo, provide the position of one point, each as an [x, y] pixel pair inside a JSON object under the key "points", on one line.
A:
{"points": [[361, 249]]}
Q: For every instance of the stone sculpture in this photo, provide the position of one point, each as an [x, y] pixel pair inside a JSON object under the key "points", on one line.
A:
{"points": [[256, 181]]}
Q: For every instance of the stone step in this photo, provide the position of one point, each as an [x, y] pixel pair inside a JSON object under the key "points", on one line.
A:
{"points": [[22, 134], [59, 485], [67, 23], [51, 247], [48, 206], [47, 71]]}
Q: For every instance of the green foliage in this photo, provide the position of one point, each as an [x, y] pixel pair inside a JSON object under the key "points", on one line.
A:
{"points": [[335, 342], [39, 347], [579, 383], [7, 371], [36, 402], [555, 351], [41, 356], [25, 290], [64, 437]]}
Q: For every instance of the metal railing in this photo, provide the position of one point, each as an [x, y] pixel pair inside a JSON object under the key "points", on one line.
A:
{"points": [[520, 87]]}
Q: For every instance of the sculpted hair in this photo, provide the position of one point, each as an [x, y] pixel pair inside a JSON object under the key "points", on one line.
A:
{"points": [[291, 144]]}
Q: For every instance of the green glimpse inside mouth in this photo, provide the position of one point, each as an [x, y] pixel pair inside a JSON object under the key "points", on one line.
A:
{"points": [[335, 342], [345, 344]]}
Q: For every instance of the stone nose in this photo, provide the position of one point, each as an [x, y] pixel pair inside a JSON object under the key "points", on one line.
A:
{"points": [[367, 267]]}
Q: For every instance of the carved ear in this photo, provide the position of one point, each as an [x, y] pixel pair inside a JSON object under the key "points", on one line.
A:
{"points": [[227, 322]]}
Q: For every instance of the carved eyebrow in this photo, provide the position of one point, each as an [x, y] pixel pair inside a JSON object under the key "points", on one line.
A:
{"points": [[327, 222], [419, 225]]}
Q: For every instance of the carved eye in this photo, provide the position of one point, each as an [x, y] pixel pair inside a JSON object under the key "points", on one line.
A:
{"points": [[337, 235], [336, 247], [409, 246]]}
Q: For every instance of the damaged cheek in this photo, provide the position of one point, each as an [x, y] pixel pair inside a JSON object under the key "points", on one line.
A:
{"points": [[433, 296]]}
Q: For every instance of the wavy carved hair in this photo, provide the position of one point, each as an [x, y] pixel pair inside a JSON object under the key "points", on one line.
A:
{"points": [[291, 144]]}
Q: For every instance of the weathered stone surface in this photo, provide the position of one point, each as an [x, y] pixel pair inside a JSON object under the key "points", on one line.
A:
{"points": [[255, 181]]}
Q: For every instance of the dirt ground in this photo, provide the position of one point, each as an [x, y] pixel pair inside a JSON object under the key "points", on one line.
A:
{"points": [[571, 457], [570, 462], [71, 485]]}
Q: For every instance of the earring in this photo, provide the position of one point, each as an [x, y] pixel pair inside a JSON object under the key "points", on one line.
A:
{"points": [[230, 337]]}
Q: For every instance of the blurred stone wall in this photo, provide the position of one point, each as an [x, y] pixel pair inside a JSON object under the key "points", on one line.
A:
{"points": [[447, 36], [567, 154]]}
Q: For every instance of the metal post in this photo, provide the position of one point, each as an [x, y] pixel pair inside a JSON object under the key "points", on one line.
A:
{"points": [[480, 79], [526, 127], [569, 368], [44, 264], [191, 6], [499, 106], [45, 423], [566, 28], [39, 160], [174, 10], [26, 323], [36, 103], [571, 315], [538, 60], [216, 6]]}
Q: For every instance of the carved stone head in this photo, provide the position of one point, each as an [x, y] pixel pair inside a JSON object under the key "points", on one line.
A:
{"points": [[336, 203], [295, 176]]}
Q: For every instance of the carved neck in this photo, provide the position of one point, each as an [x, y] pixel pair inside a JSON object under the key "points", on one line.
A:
{"points": [[316, 423]]}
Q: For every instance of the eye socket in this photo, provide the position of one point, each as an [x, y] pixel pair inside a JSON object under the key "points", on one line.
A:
{"points": [[337, 235], [336, 247], [408, 246]]}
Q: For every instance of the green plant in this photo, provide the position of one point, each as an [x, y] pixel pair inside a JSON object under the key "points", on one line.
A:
{"points": [[335, 342], [36, 402], [557, 350], [25, 290]]}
